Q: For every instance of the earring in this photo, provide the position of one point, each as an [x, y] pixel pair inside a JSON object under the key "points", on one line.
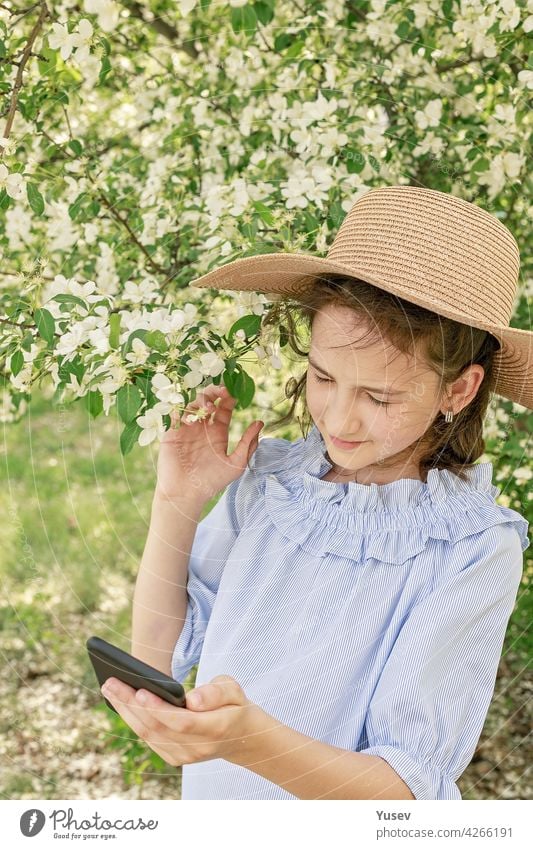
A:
{"points": [[449, 416]]}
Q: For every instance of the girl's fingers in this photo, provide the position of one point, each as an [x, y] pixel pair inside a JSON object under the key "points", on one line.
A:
{"points": [[247, 445], [207, 397]]}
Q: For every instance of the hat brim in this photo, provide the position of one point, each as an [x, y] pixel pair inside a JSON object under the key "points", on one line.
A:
{"points": [[293, 273]]}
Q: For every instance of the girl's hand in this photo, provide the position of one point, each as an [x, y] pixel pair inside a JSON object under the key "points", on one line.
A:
{"points": [[219, 727], [193, 457]]}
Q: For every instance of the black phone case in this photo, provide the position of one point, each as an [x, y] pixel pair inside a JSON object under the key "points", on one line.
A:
{"points": [[111, 662]]}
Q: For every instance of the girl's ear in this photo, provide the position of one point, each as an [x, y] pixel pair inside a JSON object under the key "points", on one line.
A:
{"points": [[464, 389]]}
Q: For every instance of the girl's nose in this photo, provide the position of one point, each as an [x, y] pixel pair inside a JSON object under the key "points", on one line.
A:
{"points": [[347, 426]]}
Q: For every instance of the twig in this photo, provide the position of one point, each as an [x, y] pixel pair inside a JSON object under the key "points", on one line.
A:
{"points": [[43, 15], [124, 223]]}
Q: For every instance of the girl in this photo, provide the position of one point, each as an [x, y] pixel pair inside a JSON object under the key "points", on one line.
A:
{"points": [[347, 597]]}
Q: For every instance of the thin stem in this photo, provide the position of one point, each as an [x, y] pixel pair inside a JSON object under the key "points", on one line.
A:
{"points": [[43, 15]]}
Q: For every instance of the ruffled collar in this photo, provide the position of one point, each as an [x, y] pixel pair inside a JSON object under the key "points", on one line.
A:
{"points": [[440, 483], [305, 463], [392, 520]]}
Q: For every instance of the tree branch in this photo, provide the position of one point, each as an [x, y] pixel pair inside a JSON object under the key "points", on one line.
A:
{"points": [[124, 223], [43, 15]]}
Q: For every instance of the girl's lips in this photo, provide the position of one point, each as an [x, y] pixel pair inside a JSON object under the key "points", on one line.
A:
{"points": [[343, 444]]}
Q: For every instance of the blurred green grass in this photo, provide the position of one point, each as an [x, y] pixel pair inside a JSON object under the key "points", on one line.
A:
{"points": [[76, 515]]}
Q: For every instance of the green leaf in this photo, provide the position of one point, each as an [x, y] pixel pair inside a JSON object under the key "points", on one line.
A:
{"points": [[264, 11], [283, 336], [35, 198], [282, 41], [311, 223], [259, 248], [264, 213], [295, 49], [129, 399], [243, 389], [27, 341], [5, 200], [336, 215], [249, 323], [243, 19], [447, 11], [75, 207], [144, 383], [39, 360], [129, 437], [19, 306], [94, 402], [481, 164], [141, 334], [403, 29], [249, 229], [104, 71], [69, 299], [374, 162], [47, 63], [45, 324], [114, 330], [76, 146], [106, 45], [156, 339], [355, 161], [17, 361]]}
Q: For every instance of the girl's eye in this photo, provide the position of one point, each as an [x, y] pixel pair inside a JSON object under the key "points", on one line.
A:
{"points": [[374, 400]]}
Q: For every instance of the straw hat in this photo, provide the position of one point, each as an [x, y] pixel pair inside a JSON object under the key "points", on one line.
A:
{"points": [[436, 250]]}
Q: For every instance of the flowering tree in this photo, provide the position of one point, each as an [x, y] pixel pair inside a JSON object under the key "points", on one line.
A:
{"points": [[147, 141]]}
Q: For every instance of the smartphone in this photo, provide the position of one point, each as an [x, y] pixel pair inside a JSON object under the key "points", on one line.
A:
{"points": [[111, 662]]}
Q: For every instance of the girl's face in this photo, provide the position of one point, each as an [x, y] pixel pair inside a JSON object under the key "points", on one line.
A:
{"points": [[374, 395]]}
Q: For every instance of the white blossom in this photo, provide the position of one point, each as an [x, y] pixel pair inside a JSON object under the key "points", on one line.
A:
{"points": [[107, 12], [139, 353], [22, 381], [511, 15], [8, 145], [117, 378], [82, 39], [63, 286], [152, 426], [61, 39], [12, 183], [166, 390], [526, 77], [138, 293], [430, 115], [523, 475]]}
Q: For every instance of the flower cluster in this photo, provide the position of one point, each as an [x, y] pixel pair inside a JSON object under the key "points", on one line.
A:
{"points": [[147, 143]]}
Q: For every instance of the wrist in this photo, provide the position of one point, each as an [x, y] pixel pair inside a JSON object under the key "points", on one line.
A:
{"points": [[256, 742], [188, 505]]}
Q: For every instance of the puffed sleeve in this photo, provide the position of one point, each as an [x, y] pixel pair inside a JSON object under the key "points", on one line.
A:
{"points": [[213, 541], [428, 709]]}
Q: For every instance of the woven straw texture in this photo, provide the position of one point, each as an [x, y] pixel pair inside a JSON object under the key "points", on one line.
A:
{"points": [[429, 247]]}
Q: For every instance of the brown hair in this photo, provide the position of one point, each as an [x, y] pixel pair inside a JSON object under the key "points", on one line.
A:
{"points": [[448, 346]]}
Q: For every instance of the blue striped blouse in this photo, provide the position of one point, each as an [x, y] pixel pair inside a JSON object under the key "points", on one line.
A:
{"points": [[370, 617]]}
